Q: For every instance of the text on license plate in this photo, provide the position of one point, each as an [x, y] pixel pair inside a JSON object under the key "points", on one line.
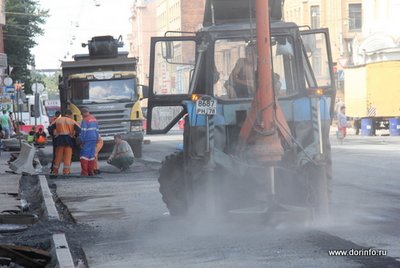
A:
{"points": [[206, 106], [108, 138]]}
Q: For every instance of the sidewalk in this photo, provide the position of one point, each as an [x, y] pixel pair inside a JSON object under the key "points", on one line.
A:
{"points": [[9, 184]]}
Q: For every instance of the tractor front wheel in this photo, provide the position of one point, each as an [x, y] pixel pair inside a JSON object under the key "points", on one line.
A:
{"points": [[172, 184]]}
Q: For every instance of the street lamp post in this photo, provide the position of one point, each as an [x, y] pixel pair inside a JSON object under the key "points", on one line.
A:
{"points": [[38, 89]]}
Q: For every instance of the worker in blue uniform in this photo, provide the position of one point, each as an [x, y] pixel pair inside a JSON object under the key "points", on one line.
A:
{"points": [[88, 139]]}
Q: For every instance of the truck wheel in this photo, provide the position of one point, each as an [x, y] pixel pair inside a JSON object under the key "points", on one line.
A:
{"points": [[317, 190], [172, 184], [137, 150]]}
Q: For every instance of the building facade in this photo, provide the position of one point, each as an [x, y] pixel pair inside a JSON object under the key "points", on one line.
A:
{"points": [[361, 31], [154, 18], [380, 37], [143, 27], [343, 18]]}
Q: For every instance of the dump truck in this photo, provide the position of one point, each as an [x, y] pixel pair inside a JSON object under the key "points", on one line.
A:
{"points": [[105, 82], [257, 96], [371, 96]]}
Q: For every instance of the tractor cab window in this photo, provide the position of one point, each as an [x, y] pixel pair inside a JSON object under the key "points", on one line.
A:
{"points": [[316, 60], [284, 66], [173, 67], [236, 66]]}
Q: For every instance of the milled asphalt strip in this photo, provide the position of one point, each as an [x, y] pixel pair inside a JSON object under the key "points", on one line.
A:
{"points": [[60, 245]]}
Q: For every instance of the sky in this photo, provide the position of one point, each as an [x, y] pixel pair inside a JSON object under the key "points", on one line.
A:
{"points": [[73, 22]]}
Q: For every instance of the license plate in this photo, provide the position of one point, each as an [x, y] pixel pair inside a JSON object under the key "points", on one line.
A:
{"points": [[206, 106], [108, 138]]}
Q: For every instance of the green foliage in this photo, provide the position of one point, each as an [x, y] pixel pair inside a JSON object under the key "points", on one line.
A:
{"points": [[50, 83], [24, 19]]}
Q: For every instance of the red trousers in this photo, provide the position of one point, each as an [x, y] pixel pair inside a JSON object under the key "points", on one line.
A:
{"points": [[87, 167], [343, 130]]}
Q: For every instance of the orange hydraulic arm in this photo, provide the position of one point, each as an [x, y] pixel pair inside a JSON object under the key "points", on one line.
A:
{"points": [[261, 121], [264, 93]]}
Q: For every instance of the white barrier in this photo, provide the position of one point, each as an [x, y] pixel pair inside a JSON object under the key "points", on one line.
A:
{"points": [[10, 144], [24, 162]]}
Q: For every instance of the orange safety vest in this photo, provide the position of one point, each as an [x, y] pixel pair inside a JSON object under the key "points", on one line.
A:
{"points": [[41, 139], [65, 126]]}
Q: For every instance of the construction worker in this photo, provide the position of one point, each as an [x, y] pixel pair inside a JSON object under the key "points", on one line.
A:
{"points": [[88, 138], [99, 145], [57, 115], [122, 155], [64, 130], [40, 137], [31, 135]]}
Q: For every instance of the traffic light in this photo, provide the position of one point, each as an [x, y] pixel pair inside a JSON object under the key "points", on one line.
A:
{"points": [[18, 86]]}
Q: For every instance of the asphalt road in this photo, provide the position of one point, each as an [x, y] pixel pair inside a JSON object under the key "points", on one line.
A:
{"points": [[133, 229]]}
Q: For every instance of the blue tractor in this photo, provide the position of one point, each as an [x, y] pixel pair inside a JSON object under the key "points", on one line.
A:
{"points": [[257, 103]]}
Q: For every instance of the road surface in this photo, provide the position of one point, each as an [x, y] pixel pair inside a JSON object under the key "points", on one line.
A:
{"points": [[133, 229]]}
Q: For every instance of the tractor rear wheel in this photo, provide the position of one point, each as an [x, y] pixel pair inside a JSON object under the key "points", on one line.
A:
{"points": [[172, 184]]}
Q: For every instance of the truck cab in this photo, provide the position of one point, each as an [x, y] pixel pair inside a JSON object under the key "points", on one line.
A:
{"points": [[105, 82]]}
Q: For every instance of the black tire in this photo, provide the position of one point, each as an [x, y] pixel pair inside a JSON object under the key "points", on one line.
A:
{"points": [[172, 184], [137, 150]]}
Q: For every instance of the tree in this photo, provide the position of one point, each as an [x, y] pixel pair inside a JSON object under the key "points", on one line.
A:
{"points": [[24, 19], [50, 82]]}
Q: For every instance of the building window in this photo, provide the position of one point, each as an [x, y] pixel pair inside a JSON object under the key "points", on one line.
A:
{"points": [[315, 18], [355, 17]]}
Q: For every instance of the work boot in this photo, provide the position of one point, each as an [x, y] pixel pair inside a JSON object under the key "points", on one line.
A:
{"points": [[91, 164], [53, 173], [84, 167]]}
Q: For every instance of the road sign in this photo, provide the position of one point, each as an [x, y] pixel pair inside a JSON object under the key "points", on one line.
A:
{"points": [[37, 87], [9, 89], [8, 81]]}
